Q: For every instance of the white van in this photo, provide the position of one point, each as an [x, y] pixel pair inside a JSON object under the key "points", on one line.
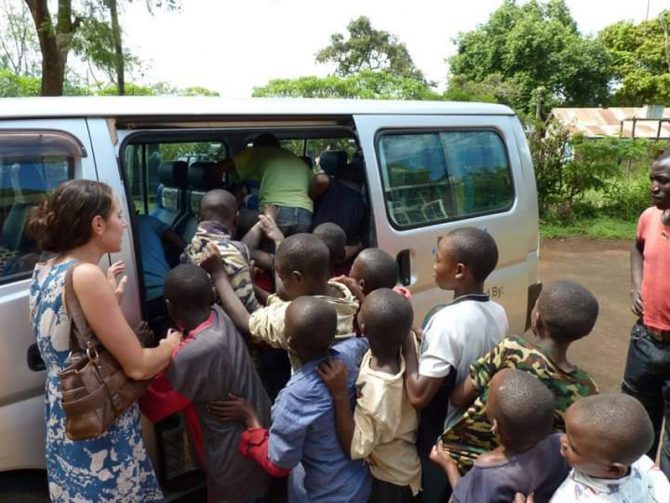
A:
{"points": [[429, 167]]}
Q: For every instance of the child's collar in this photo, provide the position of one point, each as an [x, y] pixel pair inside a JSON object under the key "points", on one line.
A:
{"points": [[477, 297]]}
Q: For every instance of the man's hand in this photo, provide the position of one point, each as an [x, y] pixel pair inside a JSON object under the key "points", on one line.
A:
{"points": [[637, 305], [145, 334], [210, 260], [234, 409], [119, 287], [334, 374], [270, 229], [520, 498]]}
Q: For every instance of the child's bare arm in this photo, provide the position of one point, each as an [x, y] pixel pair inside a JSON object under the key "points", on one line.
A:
{"points": [[440, 456], [420, 389], [334, 375], [211, 263], [464, 393]]}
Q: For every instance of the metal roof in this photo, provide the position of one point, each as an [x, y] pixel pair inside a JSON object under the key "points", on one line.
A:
{"points": [[599, 122], [136, 106]]}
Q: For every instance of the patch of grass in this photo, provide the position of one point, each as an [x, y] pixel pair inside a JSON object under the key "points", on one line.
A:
{"points": [[597, 228]]}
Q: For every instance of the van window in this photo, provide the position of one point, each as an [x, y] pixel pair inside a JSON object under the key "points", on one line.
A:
{"points": [[432, 177], [143, 160], [32, 163]]}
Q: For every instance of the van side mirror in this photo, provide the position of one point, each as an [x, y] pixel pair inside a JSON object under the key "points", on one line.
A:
{"points": [[34, 358]]}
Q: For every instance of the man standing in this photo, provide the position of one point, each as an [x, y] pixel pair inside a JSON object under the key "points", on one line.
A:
{"points": [[647, 375]]}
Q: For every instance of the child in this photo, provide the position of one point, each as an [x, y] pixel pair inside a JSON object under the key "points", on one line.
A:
{"points": [[218, 223], [521, 410], [457, 335], [564, 313], [211, 362], [335, 239], [605, 441], [302, 435], [301, 266], [382, 428]]}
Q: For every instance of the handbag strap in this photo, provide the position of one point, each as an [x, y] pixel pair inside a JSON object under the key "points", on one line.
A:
{"points": [[81, 330]]}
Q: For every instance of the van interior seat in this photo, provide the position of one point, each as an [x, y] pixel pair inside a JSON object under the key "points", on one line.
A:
{"points": [[171, 193], [333, 161], [27, 183], [202, 177]]}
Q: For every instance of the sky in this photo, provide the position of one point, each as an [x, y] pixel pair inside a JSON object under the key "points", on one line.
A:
{"points": [[230, 46]]}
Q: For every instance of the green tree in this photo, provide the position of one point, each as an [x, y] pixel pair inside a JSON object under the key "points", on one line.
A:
{"points": [[19, 50], [640, 57], [366, 84], [530, 46], [368, 49]]}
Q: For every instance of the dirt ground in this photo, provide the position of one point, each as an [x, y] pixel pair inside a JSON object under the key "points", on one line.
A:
{"points": [[602, 267]]}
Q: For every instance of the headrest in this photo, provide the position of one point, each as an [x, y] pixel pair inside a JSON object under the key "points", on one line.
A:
{"points": [[173, 173], [331, 161], [205, 175]]}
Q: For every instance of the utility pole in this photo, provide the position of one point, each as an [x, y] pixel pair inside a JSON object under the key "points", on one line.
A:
{"points": [[647, 17]]}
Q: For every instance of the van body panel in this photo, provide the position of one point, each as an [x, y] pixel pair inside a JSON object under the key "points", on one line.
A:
{"points": [[513, 229], [22, 389]]}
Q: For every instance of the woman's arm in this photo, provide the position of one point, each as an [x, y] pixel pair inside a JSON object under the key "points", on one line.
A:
{"points": [[106, 319]]}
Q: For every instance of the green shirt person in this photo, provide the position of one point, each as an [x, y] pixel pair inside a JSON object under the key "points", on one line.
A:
{"points": [[284, 182]]}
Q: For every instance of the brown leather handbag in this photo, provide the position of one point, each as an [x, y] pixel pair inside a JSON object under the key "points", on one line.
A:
{"points": [[95, 389]]}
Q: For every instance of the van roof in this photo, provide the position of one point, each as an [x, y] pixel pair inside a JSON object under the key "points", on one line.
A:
{"points": [[138, 106]]}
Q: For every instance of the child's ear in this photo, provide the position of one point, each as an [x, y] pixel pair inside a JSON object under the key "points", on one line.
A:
{"points": [[297, 275], [460, 270]]}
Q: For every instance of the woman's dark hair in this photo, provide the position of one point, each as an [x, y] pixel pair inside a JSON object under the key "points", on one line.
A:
{"points": [[63, 220]]}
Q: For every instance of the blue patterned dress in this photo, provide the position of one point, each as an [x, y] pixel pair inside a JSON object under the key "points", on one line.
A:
{"points": [[111, 467]]}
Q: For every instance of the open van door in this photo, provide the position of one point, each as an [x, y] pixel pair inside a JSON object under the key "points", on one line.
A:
{"points": [[428, 174]]}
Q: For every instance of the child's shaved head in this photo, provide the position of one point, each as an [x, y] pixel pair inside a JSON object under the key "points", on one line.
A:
{"points": [[335, 239], [475, 248], [522, 407], [218, 205], [375, 269], [387, 317], [568, 310], [618, 425], [310, 326], [187, 288], [306, 253]]}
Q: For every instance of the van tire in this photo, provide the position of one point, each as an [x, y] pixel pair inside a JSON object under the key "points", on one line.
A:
{"points": [[25, 486]]}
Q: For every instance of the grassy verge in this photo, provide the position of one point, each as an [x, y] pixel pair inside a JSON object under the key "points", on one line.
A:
{"points": [[596, 228]]}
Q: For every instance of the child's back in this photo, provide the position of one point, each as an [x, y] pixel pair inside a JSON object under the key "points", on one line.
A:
{"points": [[303, 431], [212, 362]]}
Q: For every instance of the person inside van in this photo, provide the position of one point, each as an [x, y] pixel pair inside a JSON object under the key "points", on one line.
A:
{"points": [[284, 181], [456, 336]]}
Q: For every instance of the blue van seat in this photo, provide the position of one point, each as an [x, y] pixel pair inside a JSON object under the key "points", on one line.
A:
{"points": [[171, 193], [202, 176]]}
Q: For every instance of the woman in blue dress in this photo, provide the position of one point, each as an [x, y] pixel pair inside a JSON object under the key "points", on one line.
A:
{"points": [[80, 223]]}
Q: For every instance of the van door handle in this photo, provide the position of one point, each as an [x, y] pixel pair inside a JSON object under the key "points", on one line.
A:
{"points": [[405, 267], [34, 358]]}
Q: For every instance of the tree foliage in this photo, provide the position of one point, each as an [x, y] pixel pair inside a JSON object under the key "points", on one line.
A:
{"points": [[366, 84], [640, 57], [19, 50], [366, 48], [534, 45]]}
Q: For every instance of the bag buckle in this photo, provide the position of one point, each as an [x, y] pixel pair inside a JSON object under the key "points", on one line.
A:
{"points": [[92, 353]]}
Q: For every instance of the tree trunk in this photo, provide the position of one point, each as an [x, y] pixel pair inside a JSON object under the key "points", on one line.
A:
{"points": [[54, 42], [118, 48]]}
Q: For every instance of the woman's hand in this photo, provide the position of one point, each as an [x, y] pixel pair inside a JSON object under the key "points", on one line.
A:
{"points": [[334, 374], [234, 409], [119, 287], [172, 339]]}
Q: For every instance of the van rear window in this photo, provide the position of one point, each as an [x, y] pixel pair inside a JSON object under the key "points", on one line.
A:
{"points": [[432, 177]]}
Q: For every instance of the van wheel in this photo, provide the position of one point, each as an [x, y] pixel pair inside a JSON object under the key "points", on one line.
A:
{"points": [[26, 486]]}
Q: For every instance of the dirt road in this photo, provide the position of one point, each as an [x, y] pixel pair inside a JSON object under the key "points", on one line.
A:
{"points": [[602, 267]]}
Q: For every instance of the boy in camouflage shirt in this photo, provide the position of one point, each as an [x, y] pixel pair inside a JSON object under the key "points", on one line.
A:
{"points": [[564, 313], [218, 221]]}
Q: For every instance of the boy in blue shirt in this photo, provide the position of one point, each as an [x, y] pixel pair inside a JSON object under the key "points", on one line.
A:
{"points": [[303, 434]]}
